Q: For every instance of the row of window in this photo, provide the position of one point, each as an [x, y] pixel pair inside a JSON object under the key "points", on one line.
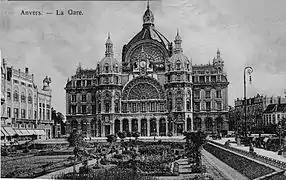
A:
{"points": [[206, 79], [103, 80], [22, 83], [197, 106], [197, 94], [178, 78], [83, 98], [29, 115], [271, 119], [107, 68], [130, 107], [178, 66]]}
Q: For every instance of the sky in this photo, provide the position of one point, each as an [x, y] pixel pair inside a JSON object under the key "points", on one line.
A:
{"points": [[247, 33]]}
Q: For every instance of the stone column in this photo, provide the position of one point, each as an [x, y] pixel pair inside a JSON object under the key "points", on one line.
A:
{"points": [[148, 127], [112, 125], [121, 125], [166, 129], [157, 126], [129, 126], [103, 130], [88, 128], [139, 126]]}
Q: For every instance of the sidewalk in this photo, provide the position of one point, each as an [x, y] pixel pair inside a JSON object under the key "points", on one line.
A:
{"points": [[263, 152]]}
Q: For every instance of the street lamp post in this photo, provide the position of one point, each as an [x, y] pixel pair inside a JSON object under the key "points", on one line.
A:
{"points": [[249, 71]]}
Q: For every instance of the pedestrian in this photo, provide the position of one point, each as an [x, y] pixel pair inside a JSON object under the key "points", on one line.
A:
{"points": [[251, 149]]}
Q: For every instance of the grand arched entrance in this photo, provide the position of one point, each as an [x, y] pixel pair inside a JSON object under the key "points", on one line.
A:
{"points": [[153, 127], [93, 128], [180, 129], [209, 124], [134, 125], [189, 124], [125, 124], [143, 127], [162, 127], [219, 123], [116, 126], [197, 124], [74, 125]]}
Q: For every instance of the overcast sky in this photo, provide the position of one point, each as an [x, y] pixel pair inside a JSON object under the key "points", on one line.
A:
{"points": [[246, 32]]}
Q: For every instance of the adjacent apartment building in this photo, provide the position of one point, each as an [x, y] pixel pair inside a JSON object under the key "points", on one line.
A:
{"points": [[25, 107]]}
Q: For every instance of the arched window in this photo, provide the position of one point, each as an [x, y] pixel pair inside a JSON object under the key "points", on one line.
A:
{"points": [[106, 68], [16, 95], [179, 104], [116, 106], [30, 101]]}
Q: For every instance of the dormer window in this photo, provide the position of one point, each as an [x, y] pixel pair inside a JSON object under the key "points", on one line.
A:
{"points": [[169, 67], [178, 65], [116, 68], [106, 68]]}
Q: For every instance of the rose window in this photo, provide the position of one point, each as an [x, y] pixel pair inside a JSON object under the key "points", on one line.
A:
{"points": [[143, 91]]}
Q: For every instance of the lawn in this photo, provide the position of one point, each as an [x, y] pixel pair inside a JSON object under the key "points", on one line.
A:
{"points": [[30, 166]]}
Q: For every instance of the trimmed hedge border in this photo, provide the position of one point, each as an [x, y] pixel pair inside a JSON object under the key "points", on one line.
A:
{"points": [[245, 166]]}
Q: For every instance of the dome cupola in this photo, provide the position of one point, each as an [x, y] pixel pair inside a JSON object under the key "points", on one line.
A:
{"points": [[148, 17], [108, 64], [178, 60]]}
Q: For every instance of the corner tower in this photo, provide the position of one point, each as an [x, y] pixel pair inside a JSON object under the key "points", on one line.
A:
{"points": [[179, 89]]}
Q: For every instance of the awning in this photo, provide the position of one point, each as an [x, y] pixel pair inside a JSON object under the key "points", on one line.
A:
{"points": [[4, 132], [25, 132], [31, 132], [19, 132], [34, 132], [40, 132], [10, 131]]}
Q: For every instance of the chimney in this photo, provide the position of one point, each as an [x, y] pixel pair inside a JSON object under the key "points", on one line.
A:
{"points": [[279, 100], [27, 70], [33, 77]]}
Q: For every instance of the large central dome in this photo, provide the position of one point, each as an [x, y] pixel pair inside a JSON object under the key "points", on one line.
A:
{"points": [[148, 32]]}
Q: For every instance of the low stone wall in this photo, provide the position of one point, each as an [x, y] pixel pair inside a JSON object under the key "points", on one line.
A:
{"points": [[245, 166], [267, 160]]}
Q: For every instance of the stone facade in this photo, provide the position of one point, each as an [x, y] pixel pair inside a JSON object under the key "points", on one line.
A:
{"points": [[25, 106], [255, 107], [150, 90]]}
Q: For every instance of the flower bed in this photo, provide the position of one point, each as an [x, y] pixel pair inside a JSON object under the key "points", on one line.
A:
{"points": [[32, 166], [243, 165], [114, 173]]}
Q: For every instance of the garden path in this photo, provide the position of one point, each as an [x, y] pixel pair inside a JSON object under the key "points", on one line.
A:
{"points": [[218, 169]]}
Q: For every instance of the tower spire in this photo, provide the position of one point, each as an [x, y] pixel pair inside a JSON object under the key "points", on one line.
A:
{"points": [[147, 4], [178, 43], [109, 47], [148, 17]]}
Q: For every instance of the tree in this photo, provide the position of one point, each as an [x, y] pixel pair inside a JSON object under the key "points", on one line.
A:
{"points": [[75, 139], [122, 135], [194, 143], [111, 139]]}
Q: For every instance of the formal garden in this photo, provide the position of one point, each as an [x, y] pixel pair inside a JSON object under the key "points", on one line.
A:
{"points": [[118, 158], [134, 159]]}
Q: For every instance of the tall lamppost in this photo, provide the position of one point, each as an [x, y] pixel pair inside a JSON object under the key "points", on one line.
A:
{"points": [[249, 71]]}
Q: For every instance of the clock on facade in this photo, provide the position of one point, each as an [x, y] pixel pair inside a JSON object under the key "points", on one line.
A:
{"points": [[142, 64]]}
